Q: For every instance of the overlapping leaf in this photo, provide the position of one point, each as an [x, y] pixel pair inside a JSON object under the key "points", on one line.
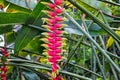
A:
{"points": [[27, 33]]}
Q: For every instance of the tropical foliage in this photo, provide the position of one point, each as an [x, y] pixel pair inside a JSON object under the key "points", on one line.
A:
{"points": [[91, 38]]}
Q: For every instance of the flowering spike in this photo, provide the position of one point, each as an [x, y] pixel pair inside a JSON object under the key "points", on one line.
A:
{"points": [[3, 68], [58, 10], [49, 13], [58, 2], [54, 41], [50, 5]]}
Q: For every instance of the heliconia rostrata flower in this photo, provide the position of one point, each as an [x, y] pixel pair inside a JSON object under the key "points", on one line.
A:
{"points": [[53, 39], [4, 67]]}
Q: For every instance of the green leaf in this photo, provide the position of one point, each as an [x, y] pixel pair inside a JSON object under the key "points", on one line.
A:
{"points": [[110, 40], [13, 7], [30, 76], [5, 29], [13, 18], [10, 37], [95, 30], [96, 20], [36, 47], [85, 5], [95, 4], [26, 34]]}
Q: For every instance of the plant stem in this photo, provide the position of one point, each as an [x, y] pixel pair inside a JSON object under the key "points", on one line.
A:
{"points": [[93, 41], [96, 20], [72, 52], [85, 69], [48, 69], [98, 60]]}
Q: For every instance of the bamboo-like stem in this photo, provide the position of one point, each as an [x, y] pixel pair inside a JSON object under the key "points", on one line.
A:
{"points": [[113, 55], [104, 19], [86, 69], [92, 57], [73, 51], [103, 57], [78, 43], [98, 60], [118, 46], [93, 41], [96, 20], [26, 61], [113, 70]]}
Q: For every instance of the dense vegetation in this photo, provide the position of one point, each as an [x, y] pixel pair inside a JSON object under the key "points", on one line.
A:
{"points": [[92, 50]]}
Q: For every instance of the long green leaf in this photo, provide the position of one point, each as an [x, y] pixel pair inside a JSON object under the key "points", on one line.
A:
{"points": [[13, 18], [30, 76], [95, 30], [26, 34], [5, 29]]}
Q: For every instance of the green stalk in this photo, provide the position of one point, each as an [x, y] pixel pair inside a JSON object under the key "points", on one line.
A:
{"points": [[104, 19], [93, 41], [98, 60], [113, 70], [96, 20], [26, 61], [84, 43], [48, 69], [113, 55], [103, 57], [86, 69], [73, 51], [114, 73], [118, 46], [92, 57], [94, 64], [37, 63]]}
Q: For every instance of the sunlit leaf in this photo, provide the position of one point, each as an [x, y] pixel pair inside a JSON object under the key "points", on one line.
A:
{"points": [[110, 40]]}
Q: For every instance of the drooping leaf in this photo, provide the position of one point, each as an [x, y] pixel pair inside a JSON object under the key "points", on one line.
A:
{"points": [[13, 18], [34, 45], [30, 76], [26, 34], [95, 30]]}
